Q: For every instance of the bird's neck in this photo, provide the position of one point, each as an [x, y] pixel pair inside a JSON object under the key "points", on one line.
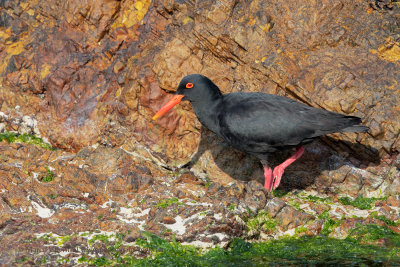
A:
{"points": [[207, 111]]}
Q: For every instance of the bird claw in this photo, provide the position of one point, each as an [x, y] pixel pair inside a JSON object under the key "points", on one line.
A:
{"points": [[269, 179], [277, 174]]}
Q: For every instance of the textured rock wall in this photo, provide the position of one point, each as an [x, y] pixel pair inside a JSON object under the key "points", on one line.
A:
{"points": [[89, 75]]}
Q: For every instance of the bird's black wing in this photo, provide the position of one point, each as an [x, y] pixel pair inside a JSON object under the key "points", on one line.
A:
{"points": [[261, 123]]}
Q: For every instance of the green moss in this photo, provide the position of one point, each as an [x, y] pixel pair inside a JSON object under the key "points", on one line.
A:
{"points": [[165, 203], [23, 259], [8, 136], [63, 260], [299, 230], [11, 137], [113, 243], [48, 238], [83, 259], [49, 177], [287, 251], [203, 213], [43, 260], [370, 234], [100, 237], [208, 182], [329, 223], [382, 218], [361, 202], [261, 222], [62, 239], [294, 204], [317, 199], [278, 193], [358, 249], [387, 221], [101, 261], [52, 196]]}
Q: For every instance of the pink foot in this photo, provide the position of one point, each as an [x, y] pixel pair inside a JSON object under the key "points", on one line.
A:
{"points": [[277, 174], [278, 171], [269, 179]]}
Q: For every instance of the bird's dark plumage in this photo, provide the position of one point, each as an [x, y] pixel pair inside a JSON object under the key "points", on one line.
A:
{"points": [[259, 123], [269, 122]]}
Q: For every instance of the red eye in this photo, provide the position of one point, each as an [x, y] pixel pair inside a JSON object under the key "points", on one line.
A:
{"points": [[189, 85]]}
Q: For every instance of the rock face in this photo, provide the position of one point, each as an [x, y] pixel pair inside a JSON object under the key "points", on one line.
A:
{"points": [[98, 75], [92, 74]]}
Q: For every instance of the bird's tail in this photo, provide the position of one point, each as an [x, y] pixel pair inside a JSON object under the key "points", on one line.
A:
{"points": [[356, 129], [354, 125]]}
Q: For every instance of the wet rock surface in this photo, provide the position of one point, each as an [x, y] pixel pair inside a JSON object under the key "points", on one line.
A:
{"points": [[88, 77], [56, 204]]}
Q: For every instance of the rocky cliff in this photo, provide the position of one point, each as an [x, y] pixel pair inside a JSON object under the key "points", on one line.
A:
{"points": [[87, 76]]}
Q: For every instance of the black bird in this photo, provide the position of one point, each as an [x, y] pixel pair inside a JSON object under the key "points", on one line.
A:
{"points": [[259, 123]]}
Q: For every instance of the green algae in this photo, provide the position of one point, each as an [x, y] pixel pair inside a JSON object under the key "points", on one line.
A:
{"points": [[261, 222], [362, 203], [329, 223], [317, 199], [278, 193], [165, 203], [304, 250], [299, 230], [384, 219], [387, 221], [372, 234], [49, 177], [363, 247], [295, 204], [11, 137]]}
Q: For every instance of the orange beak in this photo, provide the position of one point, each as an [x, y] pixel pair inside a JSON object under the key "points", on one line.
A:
{"points": [[170, 104]]}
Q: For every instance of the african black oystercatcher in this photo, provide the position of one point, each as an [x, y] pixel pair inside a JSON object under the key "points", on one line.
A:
{"points": [[259, 123]]}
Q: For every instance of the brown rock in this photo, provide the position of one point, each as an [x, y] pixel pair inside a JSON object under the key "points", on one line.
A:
{"points": [[133, 235], [274, 206], [319, 208], [168, 220], [393, 201], [345, 227], [352, 184], [315, 227], [255, 197], [291, 218]]}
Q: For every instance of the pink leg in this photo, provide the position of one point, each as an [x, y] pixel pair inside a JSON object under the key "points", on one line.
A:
{"points": [[268, 178], [278, 170]]}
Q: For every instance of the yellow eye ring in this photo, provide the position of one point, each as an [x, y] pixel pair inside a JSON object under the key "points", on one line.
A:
{"points": [[189, 85]]}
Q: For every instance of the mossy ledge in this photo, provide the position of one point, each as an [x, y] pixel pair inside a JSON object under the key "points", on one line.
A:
{"points": [[360, 248], [12, 137]]}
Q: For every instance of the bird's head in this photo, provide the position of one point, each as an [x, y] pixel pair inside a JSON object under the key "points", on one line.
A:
{"points": [[194, 87]]}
